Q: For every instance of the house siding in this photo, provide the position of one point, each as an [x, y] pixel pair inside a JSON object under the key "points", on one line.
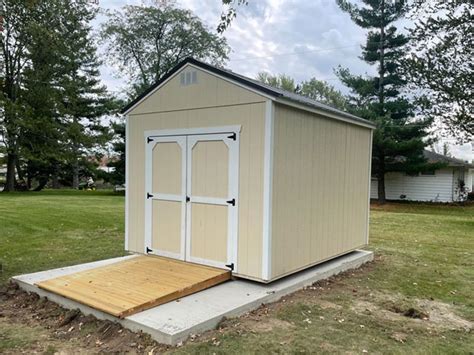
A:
{"points": [[437, 188]]}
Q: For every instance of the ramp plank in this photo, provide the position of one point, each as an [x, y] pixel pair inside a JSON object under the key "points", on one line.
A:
{"points": [[134, 285]]}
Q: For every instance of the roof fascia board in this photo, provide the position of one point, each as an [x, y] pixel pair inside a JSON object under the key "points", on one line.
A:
{"points": [[323, 112], [152, 91]]}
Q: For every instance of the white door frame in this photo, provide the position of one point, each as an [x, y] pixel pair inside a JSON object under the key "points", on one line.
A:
{"points": [[151, 195], [231, 137], [232, 142]]}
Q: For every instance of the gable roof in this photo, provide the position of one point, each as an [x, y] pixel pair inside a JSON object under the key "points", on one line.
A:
{"points": [[433, 157], [279, 95]]}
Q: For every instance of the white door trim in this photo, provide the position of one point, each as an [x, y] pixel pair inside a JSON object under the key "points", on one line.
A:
{"points": [[193, 131], [149, 146], [232, 141]]}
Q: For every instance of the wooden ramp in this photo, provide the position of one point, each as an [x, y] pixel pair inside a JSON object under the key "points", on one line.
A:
{"points": [[133, 285]]}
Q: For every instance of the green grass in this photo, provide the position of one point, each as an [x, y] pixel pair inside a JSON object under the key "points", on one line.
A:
{"points": [[424, 260], [43, 230]]}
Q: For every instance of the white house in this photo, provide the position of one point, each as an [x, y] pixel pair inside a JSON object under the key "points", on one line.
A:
{"points": [[442, 185]]}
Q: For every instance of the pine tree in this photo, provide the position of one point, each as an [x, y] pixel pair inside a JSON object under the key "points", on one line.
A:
{"points": [[399, 139], [41, 136], [84, 99]]}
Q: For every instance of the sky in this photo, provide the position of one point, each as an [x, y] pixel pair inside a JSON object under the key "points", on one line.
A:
{"points": [[300, 38]]}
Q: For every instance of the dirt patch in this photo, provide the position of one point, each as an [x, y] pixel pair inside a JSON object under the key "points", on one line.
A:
{"points": [[431, 313], [442, 315], [69, 331]]}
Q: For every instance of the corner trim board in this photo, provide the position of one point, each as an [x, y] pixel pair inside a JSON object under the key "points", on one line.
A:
{"points": [[268, 190], [370, 183], [127, 182]]}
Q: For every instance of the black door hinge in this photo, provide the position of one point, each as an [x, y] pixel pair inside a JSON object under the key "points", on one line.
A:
{"points": [[149, 195], [230, 266], [231, 202], [233, 136], [148, 139], [148, 250]]}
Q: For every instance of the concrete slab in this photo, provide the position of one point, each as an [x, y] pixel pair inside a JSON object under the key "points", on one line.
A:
{"points": [[173, 322]]}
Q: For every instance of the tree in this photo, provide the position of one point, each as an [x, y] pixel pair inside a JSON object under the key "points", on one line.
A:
{"points": [[280, 81], [117, 177], [39, 141], [15, 36], [228, 16], [399, 139], [313, 88], [85, 100], [441, 63], [147, 42], [52, 98], [321, 91]]}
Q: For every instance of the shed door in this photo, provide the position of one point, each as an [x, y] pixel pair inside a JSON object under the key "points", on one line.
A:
{"points": [[212, 184], [166, 196], [191, 200]]}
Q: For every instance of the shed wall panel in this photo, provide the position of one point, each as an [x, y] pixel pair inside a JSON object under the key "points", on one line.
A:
{"points": [[320, 189], [251, 118], [437, 188]]}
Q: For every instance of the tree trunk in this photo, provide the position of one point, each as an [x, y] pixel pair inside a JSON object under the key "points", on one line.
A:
{"points": [[55, 181], [55, 176], [11, 165], [42, 183], [381, 188], [75, 174]]}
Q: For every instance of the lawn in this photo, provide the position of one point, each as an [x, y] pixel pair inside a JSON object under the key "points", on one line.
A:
{"points": [[416, 297], [43, 230]]}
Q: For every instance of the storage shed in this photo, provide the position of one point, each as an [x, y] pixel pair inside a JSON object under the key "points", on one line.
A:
{"points": [[225, 171]]}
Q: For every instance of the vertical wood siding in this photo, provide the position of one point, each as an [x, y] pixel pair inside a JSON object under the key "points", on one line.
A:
{"points": [[436, 188], [320, 189], [209, 103]]}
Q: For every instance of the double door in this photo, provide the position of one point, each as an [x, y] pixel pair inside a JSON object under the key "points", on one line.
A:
{"points": [[191, 198]]}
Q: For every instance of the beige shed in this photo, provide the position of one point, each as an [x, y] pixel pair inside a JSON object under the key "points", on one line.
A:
{"points": [[225, 171]]}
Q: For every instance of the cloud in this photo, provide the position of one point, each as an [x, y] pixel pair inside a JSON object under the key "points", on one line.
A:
{"points": [[297, 37]]}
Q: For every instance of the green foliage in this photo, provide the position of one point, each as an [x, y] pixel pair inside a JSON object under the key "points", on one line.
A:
{"points": [[147, 42], [17, 17], [400, 138], [321, 91], [228, 16], [440, 64], [117, 177], [313, 88], [280, 81], [52, 94]]}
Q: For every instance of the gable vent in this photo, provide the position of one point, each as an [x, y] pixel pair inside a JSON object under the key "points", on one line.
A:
{"points": [[188, 78]]}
